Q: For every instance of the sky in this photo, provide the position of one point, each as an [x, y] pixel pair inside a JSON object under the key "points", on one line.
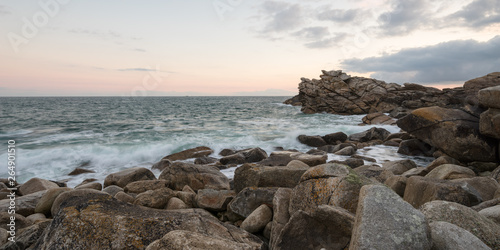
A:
{"points": [[239, 47]]}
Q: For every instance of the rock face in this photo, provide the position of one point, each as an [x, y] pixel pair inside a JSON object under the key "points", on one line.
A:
{"points": [[385, 221], [453, 131], [339, 93], [97, 221], [195, 176]]}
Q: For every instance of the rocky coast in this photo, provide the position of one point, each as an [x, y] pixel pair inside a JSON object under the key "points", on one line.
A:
{"points": [[296, 200]]}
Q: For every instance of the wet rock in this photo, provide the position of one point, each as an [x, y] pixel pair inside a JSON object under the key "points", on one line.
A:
{"points": [[420, 190], [124, 177], [237, 158], [190, 153], [36, 184], [250, 175], [162, 164], [154, 198], [347, 151], [226, 152], [450, 172], [258, 219], [483, 228], [312, 141], [447, 236], [326, 227], [335, 138], [214, 200], [197, 177], [370, 135], [138, 187], [249, 199], [79, 171], [385, 221], [254, 155], [45, 203]]}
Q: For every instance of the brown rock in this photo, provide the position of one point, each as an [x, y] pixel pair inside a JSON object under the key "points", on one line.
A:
{"points": [[397, 184], [44, 205], [473, 87], [93, 185], [21, 221], [258, 219], [127, 176], [370, 135], [154, 198], [399, 167], [36, 184], [63, 197], [162, 164], [25, 205], [485, 186], [122, 196], [489, 123], [249, 199], [190, 153], [312, 141], [450, 172], [335, 138], [281, 215], [214, 200], [311, 160], [441, 161], [378, 118], [489, 97], [113, 190], [251, 175], [175, 203], [447, 236], [143, 186], [195, 176]]}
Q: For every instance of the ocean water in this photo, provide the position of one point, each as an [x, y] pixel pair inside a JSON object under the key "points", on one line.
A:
{"points": [[54, 135]]}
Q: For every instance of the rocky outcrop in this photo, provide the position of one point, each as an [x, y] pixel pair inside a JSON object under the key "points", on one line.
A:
{"points": [[338, 93]]}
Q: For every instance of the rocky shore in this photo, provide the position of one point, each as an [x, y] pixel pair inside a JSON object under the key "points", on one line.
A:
{"points": [[296, 200]]}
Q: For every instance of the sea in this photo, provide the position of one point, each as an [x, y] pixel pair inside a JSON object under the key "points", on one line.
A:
{"points": [[55, 135]]}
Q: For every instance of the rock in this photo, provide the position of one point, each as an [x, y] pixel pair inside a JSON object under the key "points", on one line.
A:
{"points": [[44, 205], [378, 118], [370, 135], [254, 155], [496, 174], [258, 219], [472, 87], [415, 172], [450, 172], [296, 164], [312, 141], [162, 164], [483, 228], [21, 221], [315, 151], [399, 167], [138, 187], [329, 184], [489, 97], [250, 175], [485, 186], [37, 217], [122, 196], [447, 236], [61, 199], [452, 131], [237, 158], [373, 172], [97, 221], [93, 185], [214, 200], [489, 123], [281, 158], [226, 152], [36, 184], [182, 239], [27, 236], [281, 215], [347, 151], [113, 190], [79, 171], [175, 203], [441, 161], [482, 166], [326, 227], [154, 198], [420, 190], [385, 221], [415, 147], [397, 184], [190, 153], [249, 199], [267, 230], [24, 205], [335, 138], [205, 160], [127, 176], [486, 204], [197, 177], [4, 235], [311, 160], [492, 213], [189, 198]]}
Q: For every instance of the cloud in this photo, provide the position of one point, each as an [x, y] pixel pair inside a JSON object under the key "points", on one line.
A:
{"points": [[338, 15], [405, 17], [282, 16], [457, 60], [312, 33], [477, 14], [4, 11]]}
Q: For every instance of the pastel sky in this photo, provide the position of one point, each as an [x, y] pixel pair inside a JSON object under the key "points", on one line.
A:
{"points": [[239, 47]]}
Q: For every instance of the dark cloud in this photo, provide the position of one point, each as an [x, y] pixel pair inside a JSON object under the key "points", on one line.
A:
{"points": [[338, 15], [458, 60], [477, 14], [282, 16], [405, 17]]}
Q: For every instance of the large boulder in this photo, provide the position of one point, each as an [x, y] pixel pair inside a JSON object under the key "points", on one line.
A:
{"points": [[485, 186], [249, 199], [214, 200], [399, 167], [24, 205], [420, 190], [45, 203], [385, 221], [371, 134], [36, 184], [450, 172], [98, 221], [473, 87], [197, 177], [489, 123], [452, 131], [464, 217], [124, 177], [65, 196], [190, 153], [251, 175], [312, 141], [326, 227], [27, 237], [182, 239], [447, 236], [157, 198], [258, 219]]}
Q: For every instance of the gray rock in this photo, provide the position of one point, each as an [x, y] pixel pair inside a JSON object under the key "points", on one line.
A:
{"points": [[113, 190], [190, 153], [447, 236], [249, 199], [122, 196], [489, 97], [162, 164], [175, 203], [347, 151], [27, 236], [182, 239], [312, 141], [385, 221], [258, 219], [21, 221], [45, 203], [369, 135], [399, 167], [251, 175], [124, 177], [281, 215], [237, 158], [415, 147], [35, 218], [450, 172], [492, 213], [138, 187], [195, 176], [214, 200], [79, 171], [311, 160], [25, 205], [36, 184], [485, 186]]}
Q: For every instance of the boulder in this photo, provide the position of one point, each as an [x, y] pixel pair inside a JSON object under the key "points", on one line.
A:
{"points": [[420, 190], [415, 147], [254, 155], [370, 135], [473, 87], [347, 151], [489, 123], [326, 227], [124, 177], [162, 164], [122, 196], [237, 158], [63, 197], [205, 160], [97, 221], [441, 161], [28, 236], [138, 187], [478, 166], [4, 235], [258, 219], [249, 199], [415, 172], [182, 239], [157, 198], [281, 202], [397, 184], [452, 131], [450, 172], [190, 153], [195, 176], [251, 175], [485, 186], [35, 218], [311, 160], [483, 228], [335, 138], [226, 152], [312, 141], [45, 203], [486, 204], [447, 236], [36, 184], [79, 171], [93, 185], [187, 197], [113, 190], [496, 174], [175, 203], [378, 118], [492, 213], [21, 221], [24, 205], [489, 97], [385, 221], [214, 200], [399, 167]]}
